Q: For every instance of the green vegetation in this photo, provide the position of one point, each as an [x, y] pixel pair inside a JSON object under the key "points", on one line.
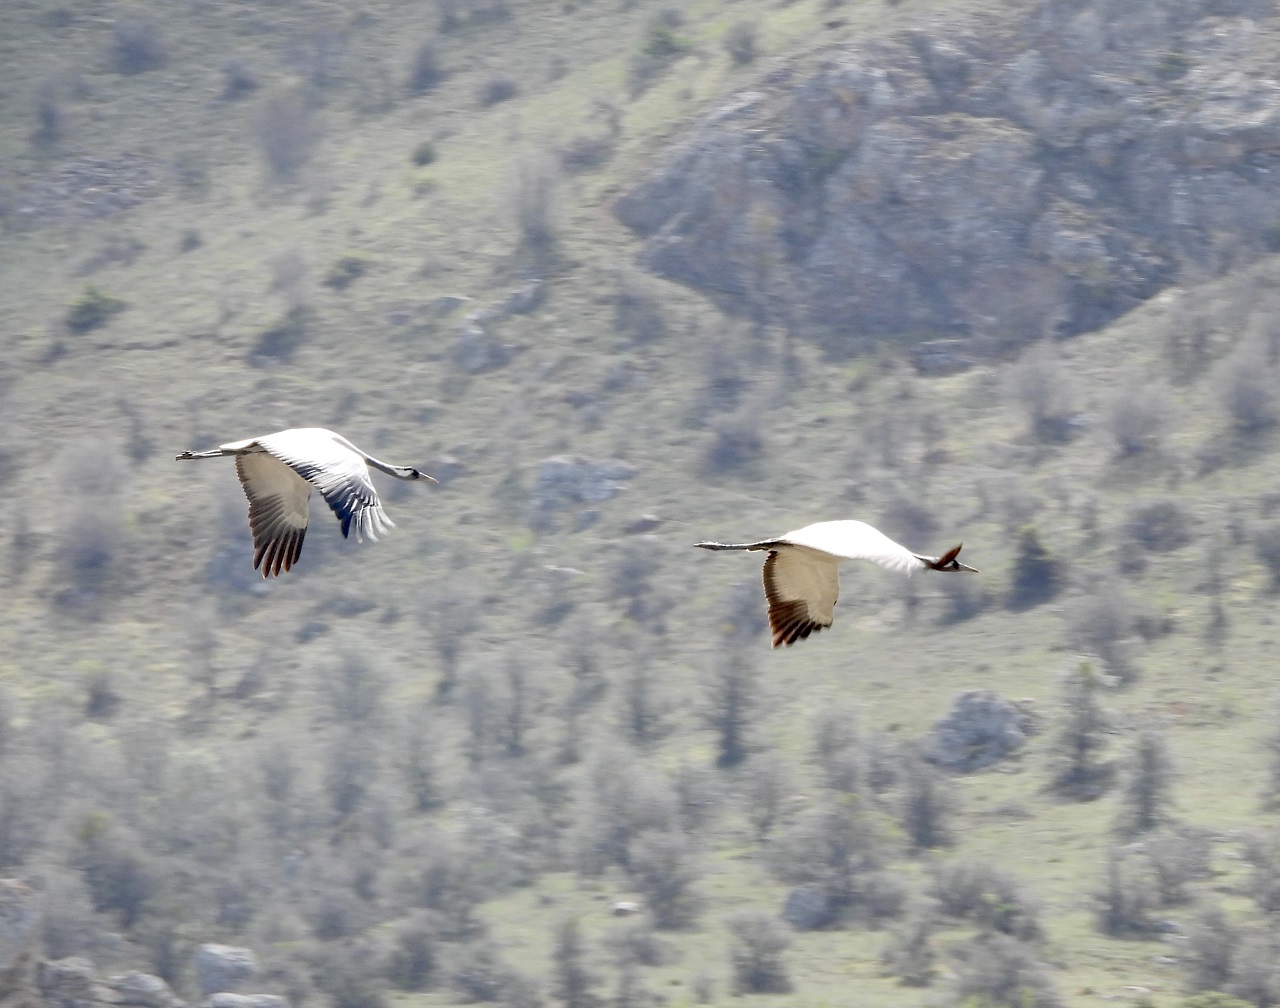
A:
{"points": [[532, 754]]}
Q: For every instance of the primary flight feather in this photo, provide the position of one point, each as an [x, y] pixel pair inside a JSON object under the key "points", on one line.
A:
{"points": [[278, 472], [802, 571]]}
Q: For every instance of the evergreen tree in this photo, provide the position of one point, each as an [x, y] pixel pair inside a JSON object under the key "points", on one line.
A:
{"points": [[1037, 573]]}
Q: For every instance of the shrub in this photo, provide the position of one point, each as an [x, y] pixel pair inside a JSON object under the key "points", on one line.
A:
{"points": [[101, 698], [757, 955], [1211, 943], [740, 42], [1041, 383], [1138, 416], [1100, 624], [496, 90], [120, 879], [987, 895], [909, 954], [661, 40], [1158, 525], [664, 870], [996, 971], [1126, 903], [737, 441], [838, 750], [1266, 546], [424, 154], [288, 132], [50, 119], [1246, 389], [283, 339], [767, 787], [1178, 856], [425, 69], [92, 309], [238, 80], [537, 203], [660, 46], [1255, 968], [479, 972], [346, 271], [637, 944], [136, 45], [587, 151], [351, 976], [638, 309]]}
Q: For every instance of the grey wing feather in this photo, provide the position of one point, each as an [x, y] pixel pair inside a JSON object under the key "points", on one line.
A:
{"points": [[342, 478], [277, 511]]}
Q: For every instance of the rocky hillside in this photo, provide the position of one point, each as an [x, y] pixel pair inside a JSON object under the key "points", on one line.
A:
{"points": [[1005, 176]]}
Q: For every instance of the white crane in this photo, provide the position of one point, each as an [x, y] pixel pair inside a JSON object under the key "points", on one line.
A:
{"points": [[802, 571], [278, 471]]}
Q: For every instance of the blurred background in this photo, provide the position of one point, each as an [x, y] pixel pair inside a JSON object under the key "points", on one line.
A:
{"points": [[625, 275]]}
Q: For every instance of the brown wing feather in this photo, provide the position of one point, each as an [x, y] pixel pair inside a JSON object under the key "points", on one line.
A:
{"points": [[790, 619]]}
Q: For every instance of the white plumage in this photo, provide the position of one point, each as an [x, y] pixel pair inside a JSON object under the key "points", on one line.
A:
{"points": [[802, 571], [278, 471]]}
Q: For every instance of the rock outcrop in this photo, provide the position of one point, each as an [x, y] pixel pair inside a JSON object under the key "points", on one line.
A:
{"points": [[998, 178], [223, 968], [980, 729]]}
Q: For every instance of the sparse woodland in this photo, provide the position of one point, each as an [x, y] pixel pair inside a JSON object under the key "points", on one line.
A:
{"points": [[609, 271]]}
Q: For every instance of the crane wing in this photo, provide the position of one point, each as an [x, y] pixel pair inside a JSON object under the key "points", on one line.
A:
{"points": [[278, 499], [341, 476], [855, 540], [801, 587]]}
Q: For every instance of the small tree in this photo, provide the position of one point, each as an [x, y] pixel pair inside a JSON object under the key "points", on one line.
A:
{"points": [[664, 869], [1102, 624], [1137, 417], [1266, 545], [766, 787], [926, 804], [1040, 382], [536, 198], [573, 984], [1146, 798], [1211, 943], [1037, 573], [730, 690], [909, 954], [759, 966], [1126, 903], [1076, 769]]}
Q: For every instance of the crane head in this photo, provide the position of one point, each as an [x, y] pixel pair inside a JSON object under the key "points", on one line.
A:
{"points": [[948, 562]]}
